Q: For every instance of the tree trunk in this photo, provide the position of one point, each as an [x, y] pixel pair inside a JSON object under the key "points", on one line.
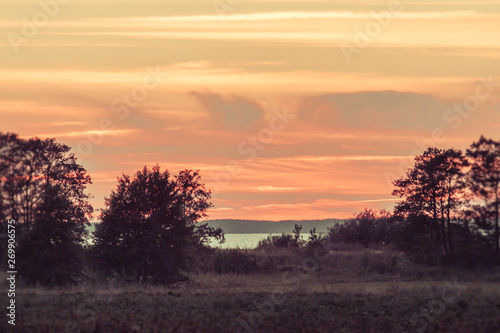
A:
{"points": [[497, 234], [443, 231], [450, 243], [443, 235]]}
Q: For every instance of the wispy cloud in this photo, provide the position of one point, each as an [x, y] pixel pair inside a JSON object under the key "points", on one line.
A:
{"points": [[160, 21], [236, 113], [84, 133], [273, 188], [344, 158], [354, 122]]}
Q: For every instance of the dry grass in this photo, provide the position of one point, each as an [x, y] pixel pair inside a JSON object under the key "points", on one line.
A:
{"points": [[228, 303], [358, 290]]}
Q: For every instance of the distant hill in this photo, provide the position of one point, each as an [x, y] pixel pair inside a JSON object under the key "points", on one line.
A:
{"points": [[267, 227]]}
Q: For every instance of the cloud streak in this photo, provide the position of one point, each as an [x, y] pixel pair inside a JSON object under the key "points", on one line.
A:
{"points": [[355, 122]]}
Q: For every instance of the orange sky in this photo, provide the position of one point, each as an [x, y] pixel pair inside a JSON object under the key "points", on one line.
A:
{"points": [[291, 110]]}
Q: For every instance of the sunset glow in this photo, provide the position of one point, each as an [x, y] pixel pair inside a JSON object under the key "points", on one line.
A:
{"points": [[290, 110]]}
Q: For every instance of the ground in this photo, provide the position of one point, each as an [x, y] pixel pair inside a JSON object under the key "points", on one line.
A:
{"points": [[356, 294]]}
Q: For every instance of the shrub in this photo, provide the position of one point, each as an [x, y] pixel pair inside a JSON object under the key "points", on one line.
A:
{"points": [[234, 261], [279, 241]]}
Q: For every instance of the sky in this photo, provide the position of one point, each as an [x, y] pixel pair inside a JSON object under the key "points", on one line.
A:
{"points": [[289, 109]]}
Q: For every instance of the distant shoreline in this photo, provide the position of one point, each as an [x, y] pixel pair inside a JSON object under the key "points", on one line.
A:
{"points": [[234, 226], [238, 226]]}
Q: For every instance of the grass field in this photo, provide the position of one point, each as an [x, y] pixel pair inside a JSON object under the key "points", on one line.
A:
{"points": [[353, 295]]}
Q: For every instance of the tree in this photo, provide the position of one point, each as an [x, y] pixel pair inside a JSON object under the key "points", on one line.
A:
{"points": [[484, 182], [366, 223], [365, 228], [315, 239], [434, 188], [149, 224], [417, 238], [42, 188], [296, 233], [452, 163]]}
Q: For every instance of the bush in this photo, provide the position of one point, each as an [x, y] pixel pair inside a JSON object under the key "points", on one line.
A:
{"points": [[315, 239], [48, 256], [283, 240], [234, 261], [419, 240], [278, 241], [366, 228]]}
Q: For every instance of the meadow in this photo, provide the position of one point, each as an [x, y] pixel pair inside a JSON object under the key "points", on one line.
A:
{"points": [[351, 289]]}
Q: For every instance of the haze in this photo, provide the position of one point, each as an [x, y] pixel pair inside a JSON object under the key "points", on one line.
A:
{"points": [[287, 109]]}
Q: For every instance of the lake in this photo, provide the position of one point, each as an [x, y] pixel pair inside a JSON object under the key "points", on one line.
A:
{"points": [[242, 241], [233, 241]]}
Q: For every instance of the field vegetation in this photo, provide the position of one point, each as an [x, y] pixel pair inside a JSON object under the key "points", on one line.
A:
{"points": [[352, 289]]}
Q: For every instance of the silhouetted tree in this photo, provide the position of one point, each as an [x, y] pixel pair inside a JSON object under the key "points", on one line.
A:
{"points": [[365, 228], [417, 237], [296, 233], [366, 222], [484, 182], [149, 224], [42, 188], [433, 188], [315, 239], [346, 232], [452, 164]]}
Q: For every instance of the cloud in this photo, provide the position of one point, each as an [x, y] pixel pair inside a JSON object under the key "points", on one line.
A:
{"points": [[222, 209], [236, 113], [344, 158], [273, 188], [374, 109], [98, 133], [161, 21]]}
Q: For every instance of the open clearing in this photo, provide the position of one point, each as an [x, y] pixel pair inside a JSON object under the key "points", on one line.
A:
{"points": [[265, 303]]}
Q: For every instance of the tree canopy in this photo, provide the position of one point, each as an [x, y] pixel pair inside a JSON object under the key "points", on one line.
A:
{"points": [[452, 199], [433, 188], [149, 224], [484, 183], [42, 189]]}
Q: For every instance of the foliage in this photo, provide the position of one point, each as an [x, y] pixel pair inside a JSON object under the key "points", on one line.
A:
{"points": [[234, 261], [433, 188], [42, 188], [296, 233], [282, 241], [367, 227], [149, 225], [484, 183], [315, 239], [449, 211], [418, 239], [278, 241]]}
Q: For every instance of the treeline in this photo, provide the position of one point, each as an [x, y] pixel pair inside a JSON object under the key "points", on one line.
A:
{"points": [[448, 213], [450, 205], [235, 226], [149, 230], [367, 228], [148, 227]]}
